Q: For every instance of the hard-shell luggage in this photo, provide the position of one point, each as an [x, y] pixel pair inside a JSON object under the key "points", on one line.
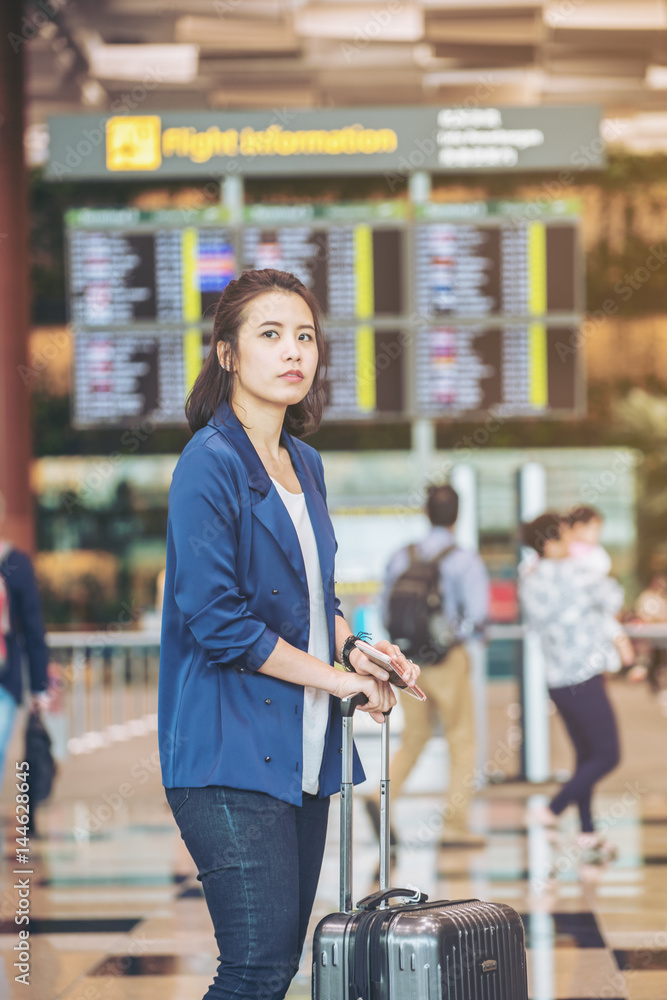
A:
{"points": [[415, 950]]}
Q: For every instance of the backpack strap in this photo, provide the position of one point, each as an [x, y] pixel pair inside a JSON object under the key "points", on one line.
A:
{"points": [[445, 552], [413, 554]]}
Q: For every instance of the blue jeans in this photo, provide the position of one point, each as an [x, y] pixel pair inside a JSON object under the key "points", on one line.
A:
{"points": [[259, 862], [7, 715], [591, 725]]}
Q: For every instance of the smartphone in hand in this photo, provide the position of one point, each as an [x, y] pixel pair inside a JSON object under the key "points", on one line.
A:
{"points": [[392, 667]]}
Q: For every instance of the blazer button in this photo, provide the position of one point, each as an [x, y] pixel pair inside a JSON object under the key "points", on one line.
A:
{"points": [[340, 749], [267, 759], [274, 591], [267, 701]]}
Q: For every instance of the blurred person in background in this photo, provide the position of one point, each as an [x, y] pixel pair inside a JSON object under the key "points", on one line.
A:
{"points": [[651, 609], [21, 632], [568, 603], [581, 528], [461, 607], [248, 729]]}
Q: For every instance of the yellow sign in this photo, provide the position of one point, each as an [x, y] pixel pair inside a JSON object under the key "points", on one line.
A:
{"points": [[138, 143], [134, 143]]}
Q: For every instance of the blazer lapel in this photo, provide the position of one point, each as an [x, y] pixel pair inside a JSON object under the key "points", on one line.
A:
{"points": [[267, 505], [272, 513]]}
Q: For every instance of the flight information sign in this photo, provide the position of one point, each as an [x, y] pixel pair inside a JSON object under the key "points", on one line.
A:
{"points": [[132, 267], [365, 373], [520, 369], [353, 271], [468, 269], [439, 310], [353, 265], [124, 377]]}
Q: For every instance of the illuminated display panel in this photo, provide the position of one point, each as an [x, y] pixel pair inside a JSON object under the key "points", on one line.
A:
{"points": [[365, 373], [168, 275], [523, 369], [445, 316], [524, 269], [124, 377], [354, 271]]}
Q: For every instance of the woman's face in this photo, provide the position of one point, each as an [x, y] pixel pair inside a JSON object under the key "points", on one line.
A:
{"points": [[276, 352]]}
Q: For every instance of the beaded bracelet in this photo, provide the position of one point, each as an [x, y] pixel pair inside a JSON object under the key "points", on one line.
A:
{"points": [[347, 647]]}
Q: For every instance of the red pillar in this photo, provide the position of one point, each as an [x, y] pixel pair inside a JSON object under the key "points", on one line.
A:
{"points": [[15, 433]]}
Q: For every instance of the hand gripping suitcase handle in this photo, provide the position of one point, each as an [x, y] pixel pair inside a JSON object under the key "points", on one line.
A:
{"points": [[348, 705], [375, 900]]}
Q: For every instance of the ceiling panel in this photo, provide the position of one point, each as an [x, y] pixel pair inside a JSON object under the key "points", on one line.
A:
{"points": [[402, 22], [258, 97], [313, 53], [234, 34], [513, 28]]}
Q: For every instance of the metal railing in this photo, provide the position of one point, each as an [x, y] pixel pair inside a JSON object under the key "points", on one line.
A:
{"points": [[106, 684]]}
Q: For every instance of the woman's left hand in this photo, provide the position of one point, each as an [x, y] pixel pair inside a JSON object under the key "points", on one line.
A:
{"points": [[363, 665]]}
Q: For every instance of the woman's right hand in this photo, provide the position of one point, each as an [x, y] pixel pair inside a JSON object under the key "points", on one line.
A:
{"points": [[380, 694]]}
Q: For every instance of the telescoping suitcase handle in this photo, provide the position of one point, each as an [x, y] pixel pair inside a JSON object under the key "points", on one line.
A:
{"points": [[375, 900], [348, 706]]}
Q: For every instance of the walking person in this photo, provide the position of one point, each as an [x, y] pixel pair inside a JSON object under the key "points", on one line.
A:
{"points": [[580, 530], [460, 598], [21, 632], [249, 715], [569, 603]]}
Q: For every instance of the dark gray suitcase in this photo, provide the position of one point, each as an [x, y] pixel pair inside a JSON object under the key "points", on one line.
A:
{"points": [[415, 950]]}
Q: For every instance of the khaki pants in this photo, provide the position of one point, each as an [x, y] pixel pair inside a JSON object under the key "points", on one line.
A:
{"points": [[447, 687]]}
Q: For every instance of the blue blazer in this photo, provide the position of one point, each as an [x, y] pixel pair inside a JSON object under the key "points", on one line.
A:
{"points": [[26, 626], [235, 581]]}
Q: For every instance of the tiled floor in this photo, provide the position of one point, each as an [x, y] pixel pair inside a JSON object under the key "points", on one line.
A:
{"points": [[116, 913]]}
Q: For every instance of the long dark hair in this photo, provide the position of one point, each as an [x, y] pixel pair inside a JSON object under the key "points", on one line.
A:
{"points": [[213, 385]]}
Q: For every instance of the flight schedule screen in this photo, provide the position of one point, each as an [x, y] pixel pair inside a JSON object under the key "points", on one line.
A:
{"points": [[353, 271], [169, 275], [522, 369], [442, 310], [481, 270]]}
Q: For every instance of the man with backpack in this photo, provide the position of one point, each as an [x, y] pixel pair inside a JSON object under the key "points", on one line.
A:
{"points": [[435, 598], [21, 630]]}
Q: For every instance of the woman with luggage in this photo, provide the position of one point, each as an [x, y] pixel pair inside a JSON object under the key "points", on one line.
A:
{"points": [[569, 603], [249, 717]]}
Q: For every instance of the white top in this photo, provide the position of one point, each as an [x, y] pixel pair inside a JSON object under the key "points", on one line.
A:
{"points": [[315, 701], [572, 608]]}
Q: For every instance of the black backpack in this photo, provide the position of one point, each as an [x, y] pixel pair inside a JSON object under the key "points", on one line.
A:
{"points": [[417, 621]]}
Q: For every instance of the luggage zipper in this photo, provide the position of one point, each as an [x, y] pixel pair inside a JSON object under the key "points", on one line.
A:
{"points": [[358, 986], [378, 955]]}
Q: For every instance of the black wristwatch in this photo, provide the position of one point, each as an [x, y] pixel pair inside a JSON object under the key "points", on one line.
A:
{"points": [[345, 650]]}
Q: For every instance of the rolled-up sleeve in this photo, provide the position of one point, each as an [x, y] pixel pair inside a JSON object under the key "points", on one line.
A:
{"points": [[205, 514]]}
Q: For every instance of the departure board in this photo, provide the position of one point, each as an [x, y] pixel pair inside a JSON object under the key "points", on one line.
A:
{"points": [[354, 271], [525, 269], [520, 369], [365, 373], [141, 271], [123, 377], [441, 310]]}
